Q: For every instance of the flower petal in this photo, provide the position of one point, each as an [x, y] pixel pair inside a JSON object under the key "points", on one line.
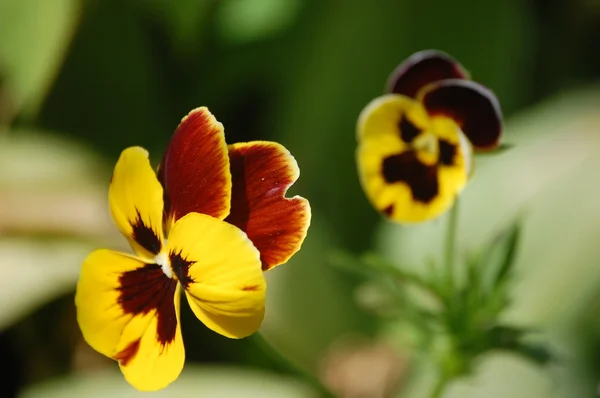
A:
{"points": [[422, 68], [410, 177], [195, 169], [261, 173], [129, 311], [472, 106], [221, 273], [136, 202]]}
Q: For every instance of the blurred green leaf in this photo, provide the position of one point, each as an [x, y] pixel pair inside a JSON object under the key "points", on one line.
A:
{"points": [[184, 20], [53, 212], [242, 21], [35, 272], [511, 242], [34, 36], [195, 381], [308, 291]]}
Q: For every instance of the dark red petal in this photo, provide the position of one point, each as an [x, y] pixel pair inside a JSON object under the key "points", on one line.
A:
{"points": [[474, 107], [261, 174], [422, 68], [195, 169]]}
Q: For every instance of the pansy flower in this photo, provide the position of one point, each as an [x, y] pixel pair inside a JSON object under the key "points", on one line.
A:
{"points": [[415, 142], [208, 223]]}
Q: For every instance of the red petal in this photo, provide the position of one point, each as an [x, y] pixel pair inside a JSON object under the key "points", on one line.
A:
{"points": [[195, 170], [422, 68], [261, 173], [472, 106]]}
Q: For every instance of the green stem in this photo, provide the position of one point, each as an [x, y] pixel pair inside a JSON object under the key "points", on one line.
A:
{"points": [[439, 388], [450, 247], [286, 365]]}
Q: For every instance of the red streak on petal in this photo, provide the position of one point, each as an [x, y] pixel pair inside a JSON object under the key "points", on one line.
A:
{"points": [[128, 353]]}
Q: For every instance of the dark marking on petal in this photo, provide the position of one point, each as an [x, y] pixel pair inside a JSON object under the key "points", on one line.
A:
{"points": [[422, 68], [420, 178], [250, 288], [180, 268], [388, 211], [146, 289], [408, 131], [144, 235], [472, 106], [447, 152], [128, 353]]}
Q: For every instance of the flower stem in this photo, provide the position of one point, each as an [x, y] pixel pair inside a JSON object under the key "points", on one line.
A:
{"points": [[284, 364], [450, 247], [440, 387]]}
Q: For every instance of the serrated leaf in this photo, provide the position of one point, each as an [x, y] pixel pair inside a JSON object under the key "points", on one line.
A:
{"points": [[535, 353], [349, 263], [377, 262], [511, 238]]}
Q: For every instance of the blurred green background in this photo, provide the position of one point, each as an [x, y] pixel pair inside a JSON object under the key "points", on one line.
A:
{"points": [[80, 80]]}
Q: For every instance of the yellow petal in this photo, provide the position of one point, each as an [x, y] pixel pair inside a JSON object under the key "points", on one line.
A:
{"points": [[129, 311], [136, 202], [411, 166], [156, 364], [221, 272]]}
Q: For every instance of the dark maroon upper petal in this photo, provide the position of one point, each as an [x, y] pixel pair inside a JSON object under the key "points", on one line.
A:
{"points": [[195, 169], [422, 68], [472, 106]]}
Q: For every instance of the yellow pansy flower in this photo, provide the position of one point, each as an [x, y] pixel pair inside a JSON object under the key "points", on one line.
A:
{"points": [[208, 223], [415, 142]]}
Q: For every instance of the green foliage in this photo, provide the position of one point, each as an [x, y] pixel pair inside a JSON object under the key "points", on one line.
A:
{"points": [[465, 322], [39, 32]]}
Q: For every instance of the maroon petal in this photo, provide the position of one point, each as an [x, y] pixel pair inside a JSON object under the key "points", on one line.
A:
{"points": [[422, 68], [472, 106], [261, 174], [195, 170]]}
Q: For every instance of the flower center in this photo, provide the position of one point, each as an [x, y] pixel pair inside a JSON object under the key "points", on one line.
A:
{"points": [[163, 260], [426, 145]]}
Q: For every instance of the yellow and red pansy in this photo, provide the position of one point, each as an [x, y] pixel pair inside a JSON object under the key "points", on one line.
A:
{"points": [[208, 224], [415, 142]]}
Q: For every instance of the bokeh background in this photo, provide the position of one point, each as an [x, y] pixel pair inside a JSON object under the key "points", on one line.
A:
{"points": [[80, 80]]}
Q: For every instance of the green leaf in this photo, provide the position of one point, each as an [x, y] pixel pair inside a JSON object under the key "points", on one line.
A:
{"points": [[536, 353], [377, 262], [184, 20], [511, 241], [53, 212], [244, 21], [348, 262], [34, 36]]}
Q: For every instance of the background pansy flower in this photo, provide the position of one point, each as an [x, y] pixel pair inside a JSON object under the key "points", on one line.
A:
{"points": [[128, 305], [415, 142]]}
